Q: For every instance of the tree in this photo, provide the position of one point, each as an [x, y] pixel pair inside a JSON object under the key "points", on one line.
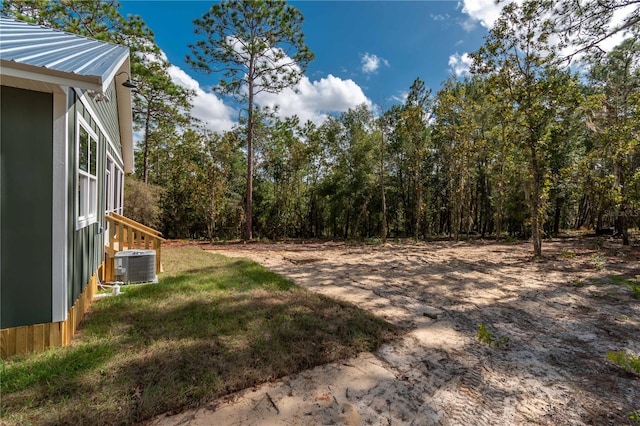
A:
{"points": [[142, 202], [518, 53], [283, 166], [158, 102], [413, 130], [160, 107], [585, 24], [256, 46], [456, 130], [382, 126], [613, 112], [408, 145]]}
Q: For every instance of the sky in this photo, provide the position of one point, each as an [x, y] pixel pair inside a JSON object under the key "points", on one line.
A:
{"points": [[365, 52]]}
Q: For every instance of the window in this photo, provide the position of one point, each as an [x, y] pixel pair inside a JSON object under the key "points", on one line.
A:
{"points": [[114, 178], [87, 195]]}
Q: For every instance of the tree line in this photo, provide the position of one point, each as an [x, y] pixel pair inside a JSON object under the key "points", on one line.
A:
{"points": [[529, 144]]}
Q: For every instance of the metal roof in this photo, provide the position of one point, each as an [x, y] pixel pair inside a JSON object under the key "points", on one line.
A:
{"points": [[39, 58], [43, 50]]}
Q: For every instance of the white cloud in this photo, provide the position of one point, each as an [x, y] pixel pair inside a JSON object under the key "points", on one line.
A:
{"points": [[207, 107], [486, 12], [469, 24], [616, 20], [460, 64], [439, 17], [401, 97], [315, 100], [371, 63], [309, 100]]}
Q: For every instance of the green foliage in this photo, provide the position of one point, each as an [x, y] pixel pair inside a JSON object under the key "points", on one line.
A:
{"points": [[255, 46], [520, 63], [599, 261], [142, 202], [488, 338], [247, 39], [632, 284], [521, 149], [612, 110], [626, 360], [373, 241], [585, 27]]}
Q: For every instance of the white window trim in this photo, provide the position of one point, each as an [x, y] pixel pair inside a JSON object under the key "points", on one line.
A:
{"points": [[117, 171], [82, 95], [92, 217]]}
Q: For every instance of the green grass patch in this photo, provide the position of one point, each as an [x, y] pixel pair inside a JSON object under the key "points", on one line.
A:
{"points": [[598, 261], [627, 361], [210, 327], [632, 284], [487, 337]]}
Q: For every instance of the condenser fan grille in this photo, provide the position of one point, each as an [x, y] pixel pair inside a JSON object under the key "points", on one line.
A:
{"points": [[135, 266]]}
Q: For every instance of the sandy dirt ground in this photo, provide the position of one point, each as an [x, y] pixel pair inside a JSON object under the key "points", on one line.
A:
{"points": [[552, 320]]}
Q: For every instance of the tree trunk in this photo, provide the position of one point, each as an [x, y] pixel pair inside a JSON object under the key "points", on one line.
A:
{"points": [[557, 216], [418, 210], [145, 153], [383, 232], [535, 206], [622, 213], [248, 230], [625, 233]]}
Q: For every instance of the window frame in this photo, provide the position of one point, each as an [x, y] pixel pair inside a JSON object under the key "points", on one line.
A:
{"points": [[86, 194], [114, 186]]}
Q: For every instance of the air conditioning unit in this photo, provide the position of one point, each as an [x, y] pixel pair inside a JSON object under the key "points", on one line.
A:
{"points": [[135, 266]]}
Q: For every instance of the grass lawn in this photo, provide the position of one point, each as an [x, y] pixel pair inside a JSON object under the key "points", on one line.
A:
{"points": [[212, 326]]}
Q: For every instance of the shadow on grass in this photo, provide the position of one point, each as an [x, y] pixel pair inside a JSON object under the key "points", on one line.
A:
{"points": [[199, 334]]}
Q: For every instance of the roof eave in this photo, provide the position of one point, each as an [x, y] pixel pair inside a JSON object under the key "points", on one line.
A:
{"points": [[30, 72], [86, 82]]}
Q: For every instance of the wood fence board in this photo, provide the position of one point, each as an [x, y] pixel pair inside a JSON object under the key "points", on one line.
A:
{"points": [[38, 337], [8, 342]]}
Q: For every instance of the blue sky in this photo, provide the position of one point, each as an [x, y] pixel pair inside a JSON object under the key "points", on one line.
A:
{"points": [[365, 51]]}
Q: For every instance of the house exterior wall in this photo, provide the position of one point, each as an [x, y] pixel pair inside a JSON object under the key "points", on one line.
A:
{"points": [[86, 244], [108, 113], [26, 156]]}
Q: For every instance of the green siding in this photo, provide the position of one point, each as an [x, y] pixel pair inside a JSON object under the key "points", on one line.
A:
{"points": [[108, 115], [26, 169], [85, 245]]}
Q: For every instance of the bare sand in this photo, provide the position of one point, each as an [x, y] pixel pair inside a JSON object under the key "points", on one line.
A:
{"points": [[554, 320]]}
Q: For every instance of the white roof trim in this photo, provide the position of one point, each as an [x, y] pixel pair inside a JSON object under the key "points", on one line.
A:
{"points": [[9, 68]]}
